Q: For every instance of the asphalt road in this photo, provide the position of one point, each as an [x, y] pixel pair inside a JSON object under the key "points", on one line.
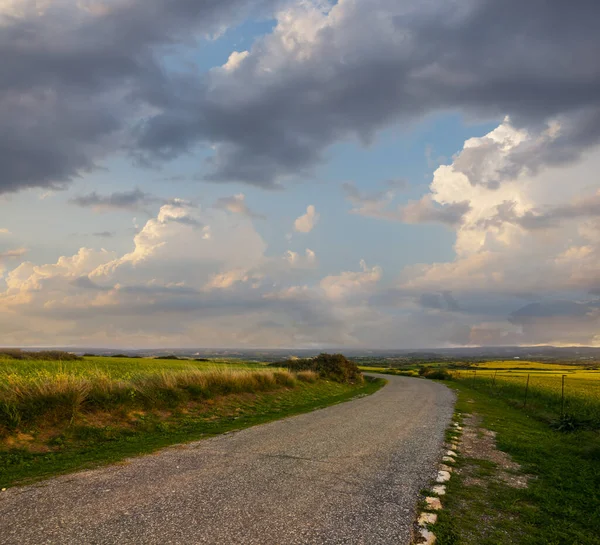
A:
{"points": [[348, 474]]}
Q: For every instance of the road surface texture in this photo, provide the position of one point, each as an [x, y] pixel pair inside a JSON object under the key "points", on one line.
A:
{"points": [[346, 474]]}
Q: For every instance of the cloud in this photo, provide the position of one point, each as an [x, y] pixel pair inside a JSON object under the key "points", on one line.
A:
{"points": [[5, 232], [373, 204], [308, 260], [426, 211], [328, 72], [351, 284], [377, 205], [307, 222], [104, 234], [72, 54], [550, 217], [125, 200], [331, 72], [236, 204], [18, 252]]}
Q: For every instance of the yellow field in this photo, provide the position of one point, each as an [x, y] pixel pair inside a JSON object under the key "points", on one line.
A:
{"points": [[523, 364], [509, 380]]}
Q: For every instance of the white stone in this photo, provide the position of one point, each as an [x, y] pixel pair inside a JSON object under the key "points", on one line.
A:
{"points": [[448, 459], [428, 536], [433, 503], [439, 489], [444, 467], [451, 453], [427, 518], [442, 477]]}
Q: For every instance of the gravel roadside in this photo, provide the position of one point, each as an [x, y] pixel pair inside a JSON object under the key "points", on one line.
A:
{"points": [[347, 474]]}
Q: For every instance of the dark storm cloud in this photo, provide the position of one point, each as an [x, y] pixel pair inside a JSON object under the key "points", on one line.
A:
{"points": [[72, 79], [532, 60], [73, 83]]}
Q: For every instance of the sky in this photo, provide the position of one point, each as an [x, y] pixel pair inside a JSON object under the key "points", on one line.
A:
{"points": [[299, 173]]}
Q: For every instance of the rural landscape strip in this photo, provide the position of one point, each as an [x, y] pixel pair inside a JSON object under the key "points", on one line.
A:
{"points": [[45, 434], [515, 480]]}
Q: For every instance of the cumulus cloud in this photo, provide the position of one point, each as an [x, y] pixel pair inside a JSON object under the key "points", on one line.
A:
{"points": [[5, 232], [327, 72], [307, 222], [236, 204], [527, 257]]}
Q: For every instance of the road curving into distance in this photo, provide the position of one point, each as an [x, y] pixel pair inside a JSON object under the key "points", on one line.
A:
{"points": [[347, 474]]}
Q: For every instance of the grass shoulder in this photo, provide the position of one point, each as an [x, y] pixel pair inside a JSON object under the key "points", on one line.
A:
{"points": [[108, 437], [551, 499]]}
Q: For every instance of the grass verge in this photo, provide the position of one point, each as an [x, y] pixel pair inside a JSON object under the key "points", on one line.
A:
{"points": [[560, 504], [102, 439]]}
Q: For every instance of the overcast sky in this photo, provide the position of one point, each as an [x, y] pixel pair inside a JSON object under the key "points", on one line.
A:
{"points": [[299, 173]]}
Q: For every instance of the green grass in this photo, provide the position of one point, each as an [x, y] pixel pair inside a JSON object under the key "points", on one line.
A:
{"points": [[33, 392], [87, 445], [561, 505], [542, 399]]}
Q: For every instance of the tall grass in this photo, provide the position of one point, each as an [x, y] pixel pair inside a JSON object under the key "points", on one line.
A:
{"points": [[56, 397]]}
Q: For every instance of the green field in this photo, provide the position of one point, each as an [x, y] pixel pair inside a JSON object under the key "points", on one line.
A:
{"points": [[550, 392], [58, 415], [560, 504]]}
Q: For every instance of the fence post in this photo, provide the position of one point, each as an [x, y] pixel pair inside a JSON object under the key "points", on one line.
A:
{"points": [[526, 391], [562, 398]]}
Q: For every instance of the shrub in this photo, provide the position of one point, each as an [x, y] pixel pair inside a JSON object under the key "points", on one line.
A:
{"points": [[331, 366], [435, 374], [46, 355]]}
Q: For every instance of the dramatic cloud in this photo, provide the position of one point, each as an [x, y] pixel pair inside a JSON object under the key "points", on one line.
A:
{"points": [[236, 204], [307, 222], [327, 72], [68, 55], [527, 258], [126, 200], [333, 72]]}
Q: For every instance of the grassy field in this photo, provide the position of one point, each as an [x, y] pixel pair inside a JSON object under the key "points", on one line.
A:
{"points": [[559, 506], [538, 389], [58, 416]]}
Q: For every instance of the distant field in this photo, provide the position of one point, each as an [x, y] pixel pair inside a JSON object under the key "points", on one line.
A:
{"points": [[116, 368]]}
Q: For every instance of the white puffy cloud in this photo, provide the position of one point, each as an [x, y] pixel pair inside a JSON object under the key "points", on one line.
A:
{"points": [[307, 222], [527, 253], [351, 284]]}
